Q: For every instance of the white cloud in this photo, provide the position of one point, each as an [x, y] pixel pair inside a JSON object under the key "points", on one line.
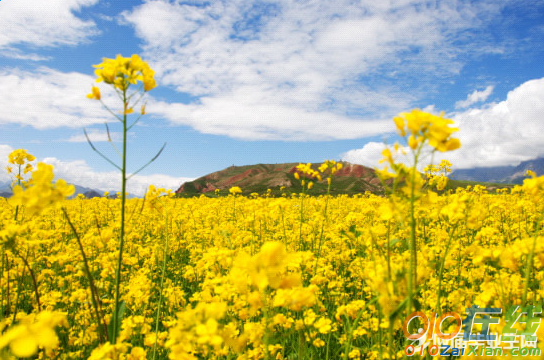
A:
{"points": [[369, 155], [95, 136], [476, 96], [44, 23], [496, 134], [5, 150], [502, 133], [14, 53], [262, 69], [80, 173], [262, 121], [48, 98]]}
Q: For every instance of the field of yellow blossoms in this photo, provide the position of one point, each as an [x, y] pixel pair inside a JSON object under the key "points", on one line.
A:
{"points": [[296, 277], [261, 277]]}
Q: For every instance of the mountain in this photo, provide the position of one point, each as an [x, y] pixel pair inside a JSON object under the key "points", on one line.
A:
{"points": [[5, 191], [5, 187], [351, 179], [501, 174], [92, 194]]}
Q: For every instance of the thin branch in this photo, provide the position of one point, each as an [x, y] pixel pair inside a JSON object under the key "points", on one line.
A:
{"points": [[149, 162], [110, 111], [110, 140], [138, 91], [99, 153], [135, 121], [103, 330]]}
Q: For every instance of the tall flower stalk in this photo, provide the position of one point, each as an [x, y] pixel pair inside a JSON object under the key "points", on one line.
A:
{"points": [[122, 73], [420, 130], [153, 198]]}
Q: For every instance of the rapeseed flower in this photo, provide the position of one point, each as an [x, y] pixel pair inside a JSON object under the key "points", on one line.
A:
{"points": [[42, 193]]}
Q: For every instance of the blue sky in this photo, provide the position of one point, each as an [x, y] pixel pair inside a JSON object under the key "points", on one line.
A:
{"points": [[243, 82]]}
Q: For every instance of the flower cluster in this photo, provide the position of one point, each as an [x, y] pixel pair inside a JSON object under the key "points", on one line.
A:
{"points": [[153, 195], [423, 127], [22, 159], [33, 332], [332, 166], [121, 72], [42, 193], [19, 157], [437, 174]]}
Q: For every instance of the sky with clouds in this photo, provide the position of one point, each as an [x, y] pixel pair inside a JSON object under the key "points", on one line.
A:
{"points": [[248, 81]]}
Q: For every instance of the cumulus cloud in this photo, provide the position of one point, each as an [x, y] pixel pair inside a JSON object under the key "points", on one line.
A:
{"points": [[495, 134], [502, 133], [95, 136], [5, 150], [475, 97], [14, 53], [272, 121], [44, 23], [369, 155], [47, 98], [80, 173], [276, 69]]}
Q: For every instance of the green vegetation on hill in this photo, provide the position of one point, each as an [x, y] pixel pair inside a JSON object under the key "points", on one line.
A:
{"points": [[279, 179]]}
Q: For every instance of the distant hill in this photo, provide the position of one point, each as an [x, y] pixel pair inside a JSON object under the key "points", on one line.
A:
{"points": [[500, 174], [4, 187], [351, 179], [5, 191]]}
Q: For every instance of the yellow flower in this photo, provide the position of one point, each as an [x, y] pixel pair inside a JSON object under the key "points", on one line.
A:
{"points": [[42, 193], [429, 127], [95, 93], [399, 122], [19, 157], [235, 190], [413, 142], [121, 72], [35, 331]]}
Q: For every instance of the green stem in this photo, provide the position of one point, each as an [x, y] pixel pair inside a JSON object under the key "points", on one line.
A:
{"points": [[441, 271], [32, 276], [301, 219], [165, 258], [412, 273], [19, 287], [529, 265], [102, 328], [116, 325], [1, 285], [322, 228]]}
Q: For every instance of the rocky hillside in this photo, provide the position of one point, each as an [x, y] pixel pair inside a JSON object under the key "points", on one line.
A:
{"points": [[258, 178]]}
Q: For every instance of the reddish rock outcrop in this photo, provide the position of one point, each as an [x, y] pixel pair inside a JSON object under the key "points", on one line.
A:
{"points": [[354, 170]]}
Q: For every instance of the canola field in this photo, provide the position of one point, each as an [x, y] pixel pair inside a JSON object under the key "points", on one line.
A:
{"points": [[252, 278], [261, 277]]}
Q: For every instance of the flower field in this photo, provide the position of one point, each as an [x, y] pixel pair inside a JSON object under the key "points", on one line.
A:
{"points": [[284, 278], [261, 277]]}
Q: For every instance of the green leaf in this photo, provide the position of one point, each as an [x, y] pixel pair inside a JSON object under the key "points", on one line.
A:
{"points": [[394, 242], [120, 314]]}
